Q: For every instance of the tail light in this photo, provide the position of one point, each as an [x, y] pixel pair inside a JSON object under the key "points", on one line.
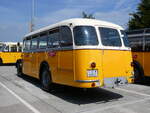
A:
{"points": [[134, 56], [93, 65]]}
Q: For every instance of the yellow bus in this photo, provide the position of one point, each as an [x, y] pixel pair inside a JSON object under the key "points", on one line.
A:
{"points": [[10, 52], [140, 44], [85, 53]]}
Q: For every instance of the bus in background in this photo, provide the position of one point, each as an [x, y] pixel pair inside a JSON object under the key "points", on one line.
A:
{"points": [[84, 53], [10, 52], [140, 44]]}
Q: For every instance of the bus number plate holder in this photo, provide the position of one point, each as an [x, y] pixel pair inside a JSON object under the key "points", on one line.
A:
{"points": [[92, 73]]}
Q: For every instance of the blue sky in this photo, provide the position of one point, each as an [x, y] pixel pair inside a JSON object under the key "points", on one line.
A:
{"points": [[15, 14]]}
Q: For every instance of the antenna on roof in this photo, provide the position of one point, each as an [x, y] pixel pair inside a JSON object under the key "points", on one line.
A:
{"points": [[32, 16]]}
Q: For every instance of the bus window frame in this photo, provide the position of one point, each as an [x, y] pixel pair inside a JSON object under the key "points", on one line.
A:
{"points": [[24, 44], [41, 48], [52, 47], [10, 46], [84, 46], [72, 38], [112, 47], [4, 50], [34, 37]]}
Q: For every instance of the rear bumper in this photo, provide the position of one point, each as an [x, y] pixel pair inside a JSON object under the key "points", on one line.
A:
{"points": [[106, 82], [87, 81]]}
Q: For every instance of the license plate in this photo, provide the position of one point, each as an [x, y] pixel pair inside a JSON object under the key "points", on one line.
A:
{"points": [[92, 73]]}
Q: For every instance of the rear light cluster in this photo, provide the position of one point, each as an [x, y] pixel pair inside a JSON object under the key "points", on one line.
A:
{"points": [[135, 56]]}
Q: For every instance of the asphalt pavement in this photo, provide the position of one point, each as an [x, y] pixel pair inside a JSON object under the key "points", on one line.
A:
{"points": [[24, 95]]}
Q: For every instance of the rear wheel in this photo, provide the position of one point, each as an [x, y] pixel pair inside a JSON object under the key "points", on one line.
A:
{"points": [[46, 80], [1, 62], [19, 68]]}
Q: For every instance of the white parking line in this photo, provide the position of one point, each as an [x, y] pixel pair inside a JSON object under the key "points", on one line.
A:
{"points": [[20, 99], [134, 92]]}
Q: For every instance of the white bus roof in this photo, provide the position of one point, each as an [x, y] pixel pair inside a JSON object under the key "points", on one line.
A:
{"points": [[11, 43], [75, 22], [7, 43]]}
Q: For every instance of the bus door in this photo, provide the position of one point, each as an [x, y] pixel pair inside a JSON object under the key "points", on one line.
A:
{"points": [[146, 56], [53, 51], [27, 58], [112, 57], [34, 57], [65, 57], [34, 64], [113, 63], [27, 63]]}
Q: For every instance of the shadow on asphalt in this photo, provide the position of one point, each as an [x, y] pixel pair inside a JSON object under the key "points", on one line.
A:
{"points": [[12, 64], [146, 82], [77, 95]]}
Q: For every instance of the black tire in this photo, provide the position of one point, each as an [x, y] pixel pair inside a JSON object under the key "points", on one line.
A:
{"points": [[46, 80], [19, 68], [1, 62]]}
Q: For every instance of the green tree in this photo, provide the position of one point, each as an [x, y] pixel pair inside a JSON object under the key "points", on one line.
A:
{"points": [[85, 15], [141, 18]]}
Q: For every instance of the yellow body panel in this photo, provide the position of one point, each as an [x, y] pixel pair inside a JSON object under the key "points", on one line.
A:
{"points": [[144, 59], [10, 57], [116, 63], [70, 66]]}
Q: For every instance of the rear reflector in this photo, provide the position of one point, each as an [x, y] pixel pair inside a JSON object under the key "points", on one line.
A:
{"points": [[93, 84]]}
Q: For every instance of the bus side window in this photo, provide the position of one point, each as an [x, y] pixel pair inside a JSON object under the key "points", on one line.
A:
{"points": [[24, 42], [66, 36], [43, 40], [6, 49], [54, 38], [34, 42], [147, 43], [136, 44], [20, 49], [27, 44], [13, 48]]}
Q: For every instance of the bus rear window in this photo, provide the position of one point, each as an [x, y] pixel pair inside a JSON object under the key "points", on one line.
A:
{"points": [[110, 37], [85, 35]]}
